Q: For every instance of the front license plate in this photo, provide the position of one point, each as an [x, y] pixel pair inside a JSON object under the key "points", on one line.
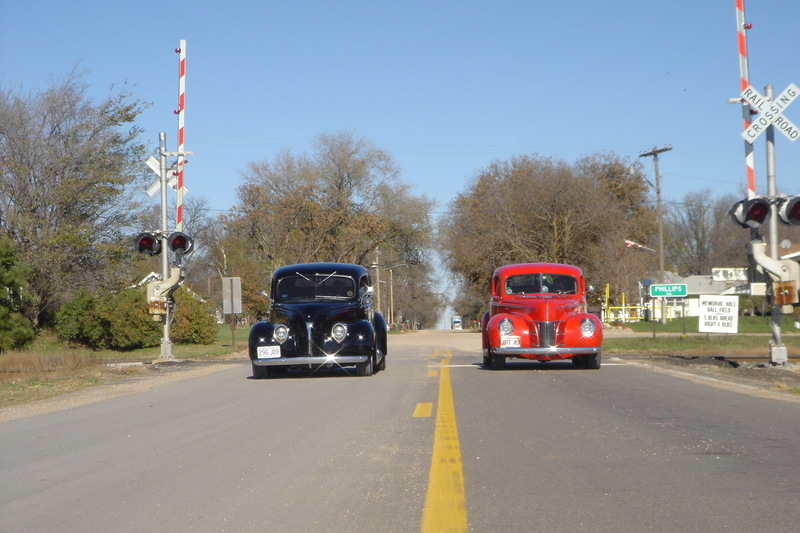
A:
{"points": [[268, 352], [507, 341]]}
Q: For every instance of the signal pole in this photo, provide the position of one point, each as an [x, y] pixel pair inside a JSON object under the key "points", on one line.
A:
{"points": [[660, 215], [166, 343], [778, 353]]}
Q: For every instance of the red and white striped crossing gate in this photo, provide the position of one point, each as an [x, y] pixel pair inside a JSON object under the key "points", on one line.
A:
{"points": [[181, 111]]}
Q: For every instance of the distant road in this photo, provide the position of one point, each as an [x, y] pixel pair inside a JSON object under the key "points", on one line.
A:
{"points": [[537, 448]]}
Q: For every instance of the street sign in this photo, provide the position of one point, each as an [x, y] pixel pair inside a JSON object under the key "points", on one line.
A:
{"points": [[771, 113], [231, 296], [719, 314], [673, 290]]}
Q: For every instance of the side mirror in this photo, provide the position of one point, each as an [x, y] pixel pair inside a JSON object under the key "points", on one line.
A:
{"points": [[366, 296]]}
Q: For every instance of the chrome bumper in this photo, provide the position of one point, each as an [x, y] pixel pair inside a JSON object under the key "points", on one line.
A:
{"points": [[312, 361], [547, 351]]}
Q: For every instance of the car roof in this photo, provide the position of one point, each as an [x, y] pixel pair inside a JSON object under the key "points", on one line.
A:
{"points": [[344, 269], [528, 268]]}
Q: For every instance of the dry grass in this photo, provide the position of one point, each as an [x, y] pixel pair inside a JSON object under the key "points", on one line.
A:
{"points": [[32, 375], [33, 362], [49, 368]]}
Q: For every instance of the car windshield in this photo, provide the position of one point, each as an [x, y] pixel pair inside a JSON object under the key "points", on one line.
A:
{"points": [[310, 287], [541, 283]]}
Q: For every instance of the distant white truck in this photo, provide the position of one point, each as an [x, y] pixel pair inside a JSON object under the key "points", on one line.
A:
{"points": [[456, 322]]}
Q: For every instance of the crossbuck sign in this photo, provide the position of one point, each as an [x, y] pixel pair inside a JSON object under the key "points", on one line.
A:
{"points": [[771, 113]]}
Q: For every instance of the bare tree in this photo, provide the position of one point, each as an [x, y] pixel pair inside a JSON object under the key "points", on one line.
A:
{"points": [[67, 166], [342, 203], [535, 209], [700, 235]]}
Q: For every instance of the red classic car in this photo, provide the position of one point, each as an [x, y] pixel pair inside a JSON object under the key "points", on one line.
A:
{"points": [[537, 311]]}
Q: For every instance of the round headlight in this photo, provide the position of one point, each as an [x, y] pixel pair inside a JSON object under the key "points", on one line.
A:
{"points": [[587, 327], [281, 333], [339, 332], [506, 327]]}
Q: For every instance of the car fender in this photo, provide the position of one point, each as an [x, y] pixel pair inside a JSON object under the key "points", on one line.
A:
{"points": [[573, 335], [485, 330], [521, 329], [381, 341], [260, 335]]}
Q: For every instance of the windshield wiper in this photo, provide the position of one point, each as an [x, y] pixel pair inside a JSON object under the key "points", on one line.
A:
{"points": [[326, 279]]}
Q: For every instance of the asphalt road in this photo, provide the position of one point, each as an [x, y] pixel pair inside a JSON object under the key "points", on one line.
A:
{"points": [[434, 442]]}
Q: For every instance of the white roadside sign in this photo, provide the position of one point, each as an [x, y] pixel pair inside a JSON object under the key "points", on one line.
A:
{"points": [[719, 314]]}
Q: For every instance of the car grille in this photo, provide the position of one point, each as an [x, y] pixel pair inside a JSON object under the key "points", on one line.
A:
{"points": [[547, 333]]}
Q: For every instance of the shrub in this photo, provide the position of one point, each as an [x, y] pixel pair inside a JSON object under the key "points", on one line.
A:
{"points": [[194, 321], [117, 321], [128, 324], [16, 331], [77, 321], [120, 321]]}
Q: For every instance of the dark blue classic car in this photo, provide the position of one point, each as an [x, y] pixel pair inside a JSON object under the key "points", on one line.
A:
{"points": [[321, 315]]}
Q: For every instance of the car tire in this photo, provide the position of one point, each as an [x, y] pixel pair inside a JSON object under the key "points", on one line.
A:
{"points": [[382, 364], [367, 368], [592, 362], [497, 361], [486, 359], [261, 372]]}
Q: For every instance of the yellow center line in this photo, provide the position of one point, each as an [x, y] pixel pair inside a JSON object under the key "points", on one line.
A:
{"points": [[445, 501]]}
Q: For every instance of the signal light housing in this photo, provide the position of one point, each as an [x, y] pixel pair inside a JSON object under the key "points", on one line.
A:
{"points": [[148, 243], [750, 213], [789, 210], [180, 243]]}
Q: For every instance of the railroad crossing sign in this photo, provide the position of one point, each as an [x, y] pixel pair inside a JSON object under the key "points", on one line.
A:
{"points": [[672, 290], [771, 113], [172, 181], [155, 166]]}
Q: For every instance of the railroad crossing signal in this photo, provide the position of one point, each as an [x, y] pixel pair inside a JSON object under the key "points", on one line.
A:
{"points": [[771, 113], [750, 213], [753, 212]]}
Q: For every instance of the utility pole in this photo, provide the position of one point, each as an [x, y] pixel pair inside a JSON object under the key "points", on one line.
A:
{"points": [[654, 153]]}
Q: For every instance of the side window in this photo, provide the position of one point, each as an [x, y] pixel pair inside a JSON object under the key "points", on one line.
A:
{"points": [[363, 286]]}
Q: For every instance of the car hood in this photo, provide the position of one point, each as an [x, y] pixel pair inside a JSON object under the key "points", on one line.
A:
{"points": [[543, 308], [317, 312]]}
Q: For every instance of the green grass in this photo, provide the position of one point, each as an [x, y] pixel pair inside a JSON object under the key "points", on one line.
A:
{"points": [[224, 345], [747, 325], [48, 344], [698, 345], [753, 338]]}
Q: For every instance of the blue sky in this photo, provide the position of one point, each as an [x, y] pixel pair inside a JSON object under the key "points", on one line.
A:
{"points": [[446, 87]]}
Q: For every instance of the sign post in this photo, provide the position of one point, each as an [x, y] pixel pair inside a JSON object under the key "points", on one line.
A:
{"points": [[232, 302], [771, 117], [667, 290]]}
